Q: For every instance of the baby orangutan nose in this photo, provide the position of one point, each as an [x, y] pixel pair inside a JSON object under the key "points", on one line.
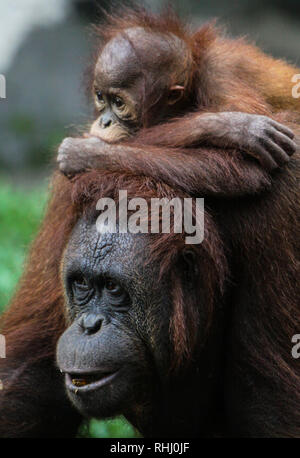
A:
{"points": [[105, 120], [91, 323]]}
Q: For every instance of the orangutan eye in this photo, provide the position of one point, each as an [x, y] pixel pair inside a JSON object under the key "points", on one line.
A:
{"points": [[99, 96], [116, 294], [81, 290], [113, 287], [80, 283], [118, 102]]}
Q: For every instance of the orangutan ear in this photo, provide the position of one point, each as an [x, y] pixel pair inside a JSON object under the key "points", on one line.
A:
{"points": [[175, 94]]}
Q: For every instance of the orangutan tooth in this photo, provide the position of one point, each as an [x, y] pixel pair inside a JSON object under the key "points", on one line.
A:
{"points": [[79, 382]]}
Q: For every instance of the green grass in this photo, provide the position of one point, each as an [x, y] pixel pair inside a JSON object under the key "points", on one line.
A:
{"points": [[20, 215]]}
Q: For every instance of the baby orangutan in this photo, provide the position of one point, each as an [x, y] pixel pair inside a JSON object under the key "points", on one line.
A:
{"points": [[179, 107]]}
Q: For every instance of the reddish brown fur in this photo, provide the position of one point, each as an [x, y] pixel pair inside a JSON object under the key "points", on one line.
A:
{"points": [[227, 74], [35, 320], [259, 235]]}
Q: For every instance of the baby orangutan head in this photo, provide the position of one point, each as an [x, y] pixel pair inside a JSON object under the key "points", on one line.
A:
{"points": [[140, 76]]}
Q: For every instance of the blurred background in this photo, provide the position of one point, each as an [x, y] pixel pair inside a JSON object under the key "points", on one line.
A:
{"points": [[44, 49]]}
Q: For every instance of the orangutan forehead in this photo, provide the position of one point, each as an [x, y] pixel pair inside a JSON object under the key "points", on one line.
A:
{"points": [[117, 62], [91, 248], [136, 49], [158, 43]]}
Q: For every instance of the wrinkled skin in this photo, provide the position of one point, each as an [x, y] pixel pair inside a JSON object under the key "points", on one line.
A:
{"points": [[119, 320]]}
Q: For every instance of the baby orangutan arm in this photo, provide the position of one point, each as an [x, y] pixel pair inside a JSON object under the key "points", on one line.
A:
{"points": [[196, 171], [263, 138]]}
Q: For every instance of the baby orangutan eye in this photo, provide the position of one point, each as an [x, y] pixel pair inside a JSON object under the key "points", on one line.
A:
{"points": [[118, 102], [99, 96]]}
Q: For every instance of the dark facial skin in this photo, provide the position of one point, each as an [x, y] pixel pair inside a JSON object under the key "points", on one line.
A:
{"points": [[106, 352], [116, 353]]}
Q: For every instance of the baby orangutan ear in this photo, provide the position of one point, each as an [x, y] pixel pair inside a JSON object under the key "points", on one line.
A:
{"points": [[175, 94]]}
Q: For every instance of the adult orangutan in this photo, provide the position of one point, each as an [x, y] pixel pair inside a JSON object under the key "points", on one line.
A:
{"points": [[182, 339], [219, 316]]}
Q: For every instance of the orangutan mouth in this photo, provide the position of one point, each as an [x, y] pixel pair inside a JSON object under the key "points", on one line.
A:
{"points": [[81, 382]]}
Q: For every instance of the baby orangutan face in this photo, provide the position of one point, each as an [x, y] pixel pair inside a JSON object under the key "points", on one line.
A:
{"points": [[133, 87], [118, 113]]}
